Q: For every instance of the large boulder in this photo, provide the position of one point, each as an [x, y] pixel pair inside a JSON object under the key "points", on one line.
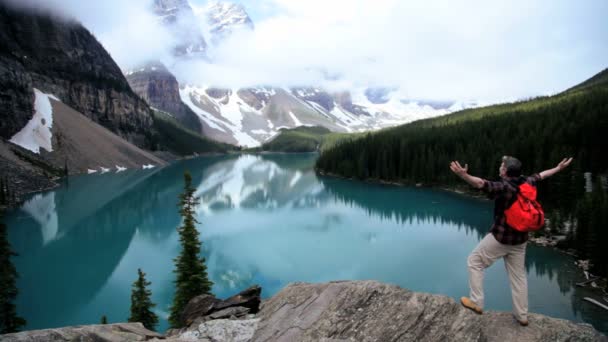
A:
{"points": [[372, 311]]}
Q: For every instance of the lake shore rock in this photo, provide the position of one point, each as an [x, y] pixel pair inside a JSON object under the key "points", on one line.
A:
{"points": [[346, 311]]}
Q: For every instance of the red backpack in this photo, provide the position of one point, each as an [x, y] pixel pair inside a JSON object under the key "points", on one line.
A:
{"points": [[525, 214]]}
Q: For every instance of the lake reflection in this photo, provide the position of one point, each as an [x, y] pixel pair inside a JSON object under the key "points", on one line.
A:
{"points": [[265, 220]]}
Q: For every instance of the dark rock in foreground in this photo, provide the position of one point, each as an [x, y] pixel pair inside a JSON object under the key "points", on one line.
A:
{"points": [[206, 307], [340, 311]]}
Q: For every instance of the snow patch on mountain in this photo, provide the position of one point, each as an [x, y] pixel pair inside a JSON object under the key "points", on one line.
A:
{"points": [[229, 112], [295, 119], [37, 133]]}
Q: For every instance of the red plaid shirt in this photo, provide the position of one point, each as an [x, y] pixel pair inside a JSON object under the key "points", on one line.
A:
{"points": [[504, 194]]}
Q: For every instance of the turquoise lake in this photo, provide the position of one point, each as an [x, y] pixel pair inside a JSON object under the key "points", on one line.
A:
{"points": [[266, 220]]}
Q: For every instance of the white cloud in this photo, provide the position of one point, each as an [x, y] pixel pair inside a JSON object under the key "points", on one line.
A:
{"points": [[432, 49]]}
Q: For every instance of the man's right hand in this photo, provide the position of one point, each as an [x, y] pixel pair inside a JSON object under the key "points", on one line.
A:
{"points": [[458, 169]]}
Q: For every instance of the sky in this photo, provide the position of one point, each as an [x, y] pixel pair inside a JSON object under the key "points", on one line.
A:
{"points": [[490, 51]]}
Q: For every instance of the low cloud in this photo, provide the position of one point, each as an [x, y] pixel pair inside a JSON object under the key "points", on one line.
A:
{"points": [[432, 49], [129, 30]]}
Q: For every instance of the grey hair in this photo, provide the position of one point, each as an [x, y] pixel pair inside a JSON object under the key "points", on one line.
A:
{"points": [[513, 166]]}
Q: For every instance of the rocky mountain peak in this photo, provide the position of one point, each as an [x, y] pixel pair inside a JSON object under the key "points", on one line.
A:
{"points": [[224, 18]]}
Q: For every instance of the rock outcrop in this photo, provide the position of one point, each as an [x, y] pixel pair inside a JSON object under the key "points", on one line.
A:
{"points": [[373, 311], [205, 308], [344, 311]]}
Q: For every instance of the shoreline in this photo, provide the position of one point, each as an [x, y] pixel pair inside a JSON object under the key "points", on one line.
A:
{"points": [[457, 190], [57, 180]]}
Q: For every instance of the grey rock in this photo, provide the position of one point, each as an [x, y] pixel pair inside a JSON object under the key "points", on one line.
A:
{"points": [[223, 330], [342, 311], [119, 332], [237, 312], [372, 311]]}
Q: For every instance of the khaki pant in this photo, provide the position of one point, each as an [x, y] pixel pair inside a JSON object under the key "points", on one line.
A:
{"points": [[484, 255]]}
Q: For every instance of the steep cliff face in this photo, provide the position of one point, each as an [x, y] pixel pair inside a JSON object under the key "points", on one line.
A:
{"points": [[65, 59], [159, 88]]}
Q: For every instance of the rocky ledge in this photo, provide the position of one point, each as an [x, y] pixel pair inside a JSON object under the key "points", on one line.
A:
{"points": [[338, 311]]}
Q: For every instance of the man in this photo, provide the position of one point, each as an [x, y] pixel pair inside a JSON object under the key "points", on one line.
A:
{"points": [[503, 241]]}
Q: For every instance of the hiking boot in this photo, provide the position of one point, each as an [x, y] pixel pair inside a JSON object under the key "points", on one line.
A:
{"points": [[523, 323], [467, 303]]}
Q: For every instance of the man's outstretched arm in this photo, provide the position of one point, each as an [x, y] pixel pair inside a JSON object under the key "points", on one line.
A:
{"points": [[462, 172], [562, 165]]}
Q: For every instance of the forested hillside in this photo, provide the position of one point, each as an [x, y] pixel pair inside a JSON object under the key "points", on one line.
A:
{"points": [[170, 134], [304, 139], [539, 132]]}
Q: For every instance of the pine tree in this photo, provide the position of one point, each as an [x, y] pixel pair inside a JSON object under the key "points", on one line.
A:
{"points": [[192, 279], [104, 320], [141, 304], [9, 321]]}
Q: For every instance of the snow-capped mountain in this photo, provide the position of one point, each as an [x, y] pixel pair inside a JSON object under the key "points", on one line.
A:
{"points": [[251, 116], [178, 16], [224, 18]]}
